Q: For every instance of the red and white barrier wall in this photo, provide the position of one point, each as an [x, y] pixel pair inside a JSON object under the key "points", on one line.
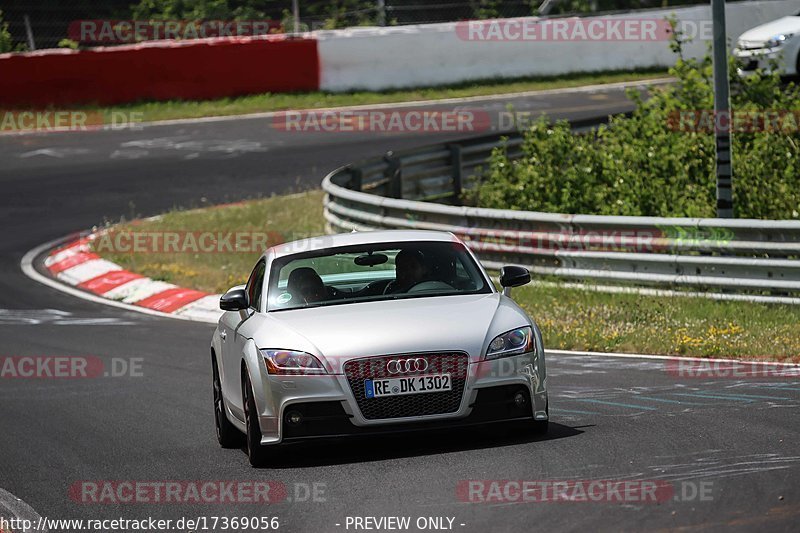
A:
{"points": [[76, 265], [341, 60]]}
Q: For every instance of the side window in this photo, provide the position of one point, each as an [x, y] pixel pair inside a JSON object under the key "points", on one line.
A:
{"points": [[255, 285]]}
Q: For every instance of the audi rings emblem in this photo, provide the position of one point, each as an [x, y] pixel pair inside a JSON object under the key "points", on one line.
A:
{"points": [[404, 366]]}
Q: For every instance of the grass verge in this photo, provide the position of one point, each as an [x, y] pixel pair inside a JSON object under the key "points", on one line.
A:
{"points": [[571, 319], [154, 111], [282, 218]]}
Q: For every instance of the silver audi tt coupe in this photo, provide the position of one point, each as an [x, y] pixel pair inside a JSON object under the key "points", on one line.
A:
{"points": [[373, 332]]}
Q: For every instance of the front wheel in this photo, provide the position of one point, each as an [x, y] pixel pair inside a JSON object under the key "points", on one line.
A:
{"points": [[256, 453], [797, 67], [227, 434], [540, 427]]}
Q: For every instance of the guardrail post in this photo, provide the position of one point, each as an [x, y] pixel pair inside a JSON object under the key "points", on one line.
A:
{"points": [[394, 171], [457, 164]]}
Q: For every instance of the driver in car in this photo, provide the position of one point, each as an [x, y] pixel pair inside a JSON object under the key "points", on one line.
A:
{"points": [[304, 283], [410, 269]]}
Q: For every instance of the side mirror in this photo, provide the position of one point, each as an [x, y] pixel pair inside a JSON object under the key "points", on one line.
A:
{"points": [[513, 276], [233, 300]]}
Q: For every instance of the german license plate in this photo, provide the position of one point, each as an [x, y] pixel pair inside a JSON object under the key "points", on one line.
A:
{"points": [[377, 388]]}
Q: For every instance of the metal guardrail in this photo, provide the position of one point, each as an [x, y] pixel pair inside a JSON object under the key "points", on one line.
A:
{"points": [[399, 189]]}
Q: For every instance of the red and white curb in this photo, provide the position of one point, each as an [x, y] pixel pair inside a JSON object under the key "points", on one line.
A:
{"points": [[75, 269]]}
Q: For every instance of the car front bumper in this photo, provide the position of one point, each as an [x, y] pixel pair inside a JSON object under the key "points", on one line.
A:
{"points": [[512, 388], [763, 59]]}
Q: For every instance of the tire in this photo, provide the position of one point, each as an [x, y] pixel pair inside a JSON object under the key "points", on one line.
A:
{"points": [[797, 67], [529, 427], [540, 427], [256, 453], [227, 434]]}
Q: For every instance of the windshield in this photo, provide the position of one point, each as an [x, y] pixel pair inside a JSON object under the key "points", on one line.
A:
{"points": [[373, 272]]}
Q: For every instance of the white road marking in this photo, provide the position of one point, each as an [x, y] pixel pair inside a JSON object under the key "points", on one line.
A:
{"points": [[55, 317], [14, 507], [236, 146], [129, 154], [423, 103], [590, 89], [58, 153]]}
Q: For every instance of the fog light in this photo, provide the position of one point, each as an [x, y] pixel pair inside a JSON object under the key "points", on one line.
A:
{"points": [[519, 399], [294, 417]]}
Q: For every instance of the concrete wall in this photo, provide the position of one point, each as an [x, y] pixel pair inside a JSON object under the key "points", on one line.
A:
{"points": [[413, 56]]}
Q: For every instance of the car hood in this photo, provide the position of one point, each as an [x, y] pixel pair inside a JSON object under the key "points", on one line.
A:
{"points": [[343, 332], [763, 33]]}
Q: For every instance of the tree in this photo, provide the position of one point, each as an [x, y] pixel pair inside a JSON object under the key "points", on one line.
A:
{"points": [[199, 9]]}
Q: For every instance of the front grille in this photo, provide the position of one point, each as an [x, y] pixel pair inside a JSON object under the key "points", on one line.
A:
{"points": [[750, 66], [430, 403]]}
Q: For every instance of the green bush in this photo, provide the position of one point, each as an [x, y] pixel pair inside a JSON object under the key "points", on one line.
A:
{"points": [[334, 14], [646, 165], [197, 10], [68, 43], [6, 42]]}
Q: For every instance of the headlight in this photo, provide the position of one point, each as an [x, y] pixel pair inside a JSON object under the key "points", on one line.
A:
{"points": [[513, 342], [289, 362], [778, 40]]}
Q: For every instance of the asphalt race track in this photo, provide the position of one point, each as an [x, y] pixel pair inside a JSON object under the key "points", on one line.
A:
{"points": [[727, 449]]}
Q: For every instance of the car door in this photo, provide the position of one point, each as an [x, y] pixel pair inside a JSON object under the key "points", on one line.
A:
{"points": [[233, 344]]}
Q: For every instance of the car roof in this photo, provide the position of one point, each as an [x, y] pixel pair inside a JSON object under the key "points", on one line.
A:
{"points": [[361, 237]]}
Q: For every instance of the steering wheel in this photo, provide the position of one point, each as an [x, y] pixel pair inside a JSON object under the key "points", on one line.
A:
{"points": [[430, 286], [389, 288], [372, 288]]}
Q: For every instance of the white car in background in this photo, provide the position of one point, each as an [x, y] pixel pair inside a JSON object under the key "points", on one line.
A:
{"points": [[777, 41]]}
